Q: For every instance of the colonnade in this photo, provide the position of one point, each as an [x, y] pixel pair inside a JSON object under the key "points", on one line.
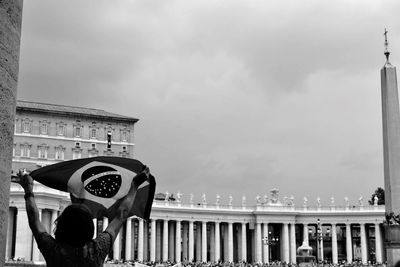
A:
{"points": [[180, 240], [241, 236]]}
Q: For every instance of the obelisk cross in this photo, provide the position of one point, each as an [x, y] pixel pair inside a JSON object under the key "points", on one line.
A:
{"points": [[387, 53]]}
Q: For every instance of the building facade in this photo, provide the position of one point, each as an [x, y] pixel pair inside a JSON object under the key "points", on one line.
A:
{"points": [[270, 229]]}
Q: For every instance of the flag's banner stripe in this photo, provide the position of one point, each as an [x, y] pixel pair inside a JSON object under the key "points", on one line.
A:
{"points": [[69, 176]]}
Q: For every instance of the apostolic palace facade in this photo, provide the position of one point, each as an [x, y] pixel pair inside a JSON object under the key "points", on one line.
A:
{"points": [[268, 228]]}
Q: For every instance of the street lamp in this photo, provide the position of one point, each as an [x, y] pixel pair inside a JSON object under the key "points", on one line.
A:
{"points": [[270, 241], [319, 240]]}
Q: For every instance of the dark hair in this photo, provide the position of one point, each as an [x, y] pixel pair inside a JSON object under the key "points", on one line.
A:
{"points": [[74, 226]]}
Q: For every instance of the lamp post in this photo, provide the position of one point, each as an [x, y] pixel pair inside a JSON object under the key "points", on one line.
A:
{"points": [[270, 241], [319, 240]]}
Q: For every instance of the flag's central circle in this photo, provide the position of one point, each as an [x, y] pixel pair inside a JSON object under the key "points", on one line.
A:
{"points": [[101, 181]]}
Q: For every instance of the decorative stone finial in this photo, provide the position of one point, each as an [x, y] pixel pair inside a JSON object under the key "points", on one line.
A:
{"points": [[217, 199], [178, 197], [387, 53], [230, 200]]}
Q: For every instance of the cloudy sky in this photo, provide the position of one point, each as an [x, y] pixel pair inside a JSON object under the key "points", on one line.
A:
{"points": [[234, 97]]}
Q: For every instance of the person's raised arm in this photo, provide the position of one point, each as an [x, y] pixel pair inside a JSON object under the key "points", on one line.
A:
{"points": [[126, 204], [26, 181]]}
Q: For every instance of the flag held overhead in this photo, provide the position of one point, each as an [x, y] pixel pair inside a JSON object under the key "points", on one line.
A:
{"points": [[100, 183]]}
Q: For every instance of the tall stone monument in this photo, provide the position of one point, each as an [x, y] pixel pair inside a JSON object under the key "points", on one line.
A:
{"points": [[391, 154], [10, 36]]}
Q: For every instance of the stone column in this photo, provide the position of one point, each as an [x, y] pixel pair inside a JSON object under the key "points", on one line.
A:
{"points": [[54, 216], [185, 241], [211, 243], [153, 241], [378, 243], [165, 241], [204, 241], [159, 245], [244, 242], [35, 249], [230, 241], [191, 241], [364, 252], [140, 240], [198, 242], [258, 243], [217, 242], [23, 236], [349, 246], [171, 242], [293, 243], [10, 28], [265, 244], [178, 248], [285, 241], [334, 245], [305, 234], [117, 248], [128, 239], [94, 228]]}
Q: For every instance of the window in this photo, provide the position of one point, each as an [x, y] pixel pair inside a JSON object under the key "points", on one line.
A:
{"points": [[78, 131], [61, 129], [26, 126], [44, 128], [93, 146], [93, 133], [124, 135], [124, 149], [76, 154], [13, 152], [77, 144], [25, 150], [59, 153], [42, 152]]}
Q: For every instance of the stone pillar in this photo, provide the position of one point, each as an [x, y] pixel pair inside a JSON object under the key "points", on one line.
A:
{"points": [[244, 242], [94, 228], [105, 223], [258, 243], [305, 234], [285, 241], [198, 242], [11, 218], [153, 241], [191, 241], [178, 248], [293, 243], [10, 29], [171, 242], [185, 241], [117, 248], [128, 239], [265, 244], [23, 236], [165, 241], [391, 154], [334, 245], [140, 240], [230, 241], [363, 236], [146, 241], [159, 245], [35, 249], [349, 246], [204, 242], [54, 216], [211, 243], [217, 242], [378, 243]]}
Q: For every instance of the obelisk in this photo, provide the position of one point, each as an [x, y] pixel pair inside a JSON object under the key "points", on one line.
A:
{"points": [[10, 36], [391, 154]]}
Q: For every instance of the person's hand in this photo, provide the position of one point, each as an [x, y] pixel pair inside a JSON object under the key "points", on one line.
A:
{"points": [[141, 177], [24, 179]]}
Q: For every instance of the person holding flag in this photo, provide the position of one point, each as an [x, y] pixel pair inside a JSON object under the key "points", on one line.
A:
{"points": [[73, 244]]}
